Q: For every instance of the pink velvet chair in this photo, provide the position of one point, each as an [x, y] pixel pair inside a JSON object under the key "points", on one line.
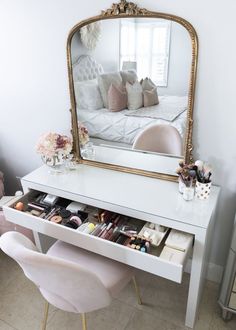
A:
{"points": [[70, 278], [159, 138]]}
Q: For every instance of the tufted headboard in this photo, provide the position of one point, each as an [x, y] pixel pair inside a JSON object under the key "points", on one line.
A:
{"points": [[86, 68]]}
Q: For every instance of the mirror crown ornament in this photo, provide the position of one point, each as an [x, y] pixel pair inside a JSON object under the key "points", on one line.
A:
{"points": [[124, 7]]}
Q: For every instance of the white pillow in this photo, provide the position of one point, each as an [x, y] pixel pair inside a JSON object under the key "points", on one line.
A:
{"points": [[135, 95], [129, 76], [104, 82], [87, 95]]}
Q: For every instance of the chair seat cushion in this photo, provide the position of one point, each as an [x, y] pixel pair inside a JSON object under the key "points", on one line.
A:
{"points": [[114, 275]]}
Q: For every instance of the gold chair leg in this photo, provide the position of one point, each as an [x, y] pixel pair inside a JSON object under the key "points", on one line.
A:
{"points": [[137, 291], [45, 316], [84, 323]]}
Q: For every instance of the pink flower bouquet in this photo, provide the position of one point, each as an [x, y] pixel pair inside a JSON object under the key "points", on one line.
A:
{"points": [[54, 147]]}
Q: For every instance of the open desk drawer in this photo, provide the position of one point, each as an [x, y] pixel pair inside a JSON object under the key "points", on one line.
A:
{"points": [[144, 261]]}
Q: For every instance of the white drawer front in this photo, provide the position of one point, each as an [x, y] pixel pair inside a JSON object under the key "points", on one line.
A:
{"points": [[144, 261]]}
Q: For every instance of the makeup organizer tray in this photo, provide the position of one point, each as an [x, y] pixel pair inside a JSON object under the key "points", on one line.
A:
{"points": [[105, 232], [85, 219], [154, 232]]}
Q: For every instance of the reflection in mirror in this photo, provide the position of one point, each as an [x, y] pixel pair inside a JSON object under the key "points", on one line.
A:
{"points": [[131, 83]]}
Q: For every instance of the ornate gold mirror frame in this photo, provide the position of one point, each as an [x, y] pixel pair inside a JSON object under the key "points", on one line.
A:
{"points": [[126, 9]]}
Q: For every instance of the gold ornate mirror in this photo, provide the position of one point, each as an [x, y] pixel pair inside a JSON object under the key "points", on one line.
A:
{"points": [[132, 76]]}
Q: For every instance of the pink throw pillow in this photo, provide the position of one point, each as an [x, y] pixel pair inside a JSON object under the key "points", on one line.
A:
{"points": [[150, 97], [117, 98]]}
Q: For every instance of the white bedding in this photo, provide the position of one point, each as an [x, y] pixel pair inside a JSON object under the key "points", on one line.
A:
{"points": [[169, 108], [120, 127]]}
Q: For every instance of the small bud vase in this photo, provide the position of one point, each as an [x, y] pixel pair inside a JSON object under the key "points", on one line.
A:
{"points": [[203, 190]]}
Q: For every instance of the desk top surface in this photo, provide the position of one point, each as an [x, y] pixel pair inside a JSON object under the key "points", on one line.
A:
{"points": [[139, 193]]}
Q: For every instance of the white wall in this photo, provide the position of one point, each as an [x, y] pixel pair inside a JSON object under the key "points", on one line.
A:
{"points": [[179, 62], [107, 50], [34, 86], [107, 53]]}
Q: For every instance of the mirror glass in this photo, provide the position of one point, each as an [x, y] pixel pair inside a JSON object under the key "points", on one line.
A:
{"points": [[131, 79]]}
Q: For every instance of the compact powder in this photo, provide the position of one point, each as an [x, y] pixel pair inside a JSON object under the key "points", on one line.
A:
{"points": [[56, 219]]}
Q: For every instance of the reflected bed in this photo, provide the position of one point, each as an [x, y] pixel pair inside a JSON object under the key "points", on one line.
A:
{"points": [[125, 125]]}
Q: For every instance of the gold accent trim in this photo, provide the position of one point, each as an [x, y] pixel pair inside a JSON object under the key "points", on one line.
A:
{"points": [[84, 322], [137, 290], [110, 14], [124, 7], [45, 315]]}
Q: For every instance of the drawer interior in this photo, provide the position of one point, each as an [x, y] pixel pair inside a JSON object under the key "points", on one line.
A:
{"points": [[135, 234]]}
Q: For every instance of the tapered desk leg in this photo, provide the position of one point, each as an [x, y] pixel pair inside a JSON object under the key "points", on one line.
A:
{"points": [[197, 278]]}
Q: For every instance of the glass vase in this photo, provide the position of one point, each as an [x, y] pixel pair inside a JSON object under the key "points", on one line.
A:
{"points": [[54, 163]]}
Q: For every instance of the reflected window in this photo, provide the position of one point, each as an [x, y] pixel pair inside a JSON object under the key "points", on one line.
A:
{"points": [[145, 46]]}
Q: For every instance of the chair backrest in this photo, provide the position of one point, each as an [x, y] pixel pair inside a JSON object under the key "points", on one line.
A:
{"points": [[65, 280], [159, 138]]}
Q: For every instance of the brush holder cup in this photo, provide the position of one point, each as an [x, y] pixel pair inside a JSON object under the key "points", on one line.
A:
{"points": [[203, 190]]}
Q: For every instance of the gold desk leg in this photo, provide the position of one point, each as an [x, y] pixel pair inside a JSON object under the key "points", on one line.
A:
{"points": [[137, 291], [45, 316], [84, 323]]}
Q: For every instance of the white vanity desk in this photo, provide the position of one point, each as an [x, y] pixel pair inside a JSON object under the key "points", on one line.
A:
{"points": [[141, 197]]}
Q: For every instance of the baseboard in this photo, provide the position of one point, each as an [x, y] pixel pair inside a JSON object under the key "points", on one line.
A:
{"points": [[214, 272]]}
